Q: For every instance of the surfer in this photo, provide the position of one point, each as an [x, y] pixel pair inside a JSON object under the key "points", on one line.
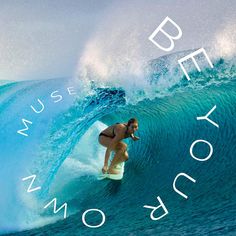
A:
{"points": [[111, 139]]}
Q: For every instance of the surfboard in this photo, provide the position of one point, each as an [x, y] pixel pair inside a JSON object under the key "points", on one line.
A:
{"points": [[120, 167]]}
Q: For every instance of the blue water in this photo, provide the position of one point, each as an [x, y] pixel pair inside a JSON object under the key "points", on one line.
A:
{"points": [[62, 150]]}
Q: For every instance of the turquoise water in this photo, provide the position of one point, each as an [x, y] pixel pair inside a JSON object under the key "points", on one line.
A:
{"points": [[62, 150]]}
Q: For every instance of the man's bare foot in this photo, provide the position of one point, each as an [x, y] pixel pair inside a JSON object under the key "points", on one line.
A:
{"points": [[113, 171]]}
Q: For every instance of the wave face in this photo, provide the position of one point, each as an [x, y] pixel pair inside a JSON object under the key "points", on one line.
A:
{"points": [[62, 150]]}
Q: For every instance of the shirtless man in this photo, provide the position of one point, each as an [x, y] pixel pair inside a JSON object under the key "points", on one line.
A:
{"points": [[111, 139]]}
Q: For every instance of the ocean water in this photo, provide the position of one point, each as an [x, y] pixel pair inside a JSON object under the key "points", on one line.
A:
{"points": [[62, 150]]}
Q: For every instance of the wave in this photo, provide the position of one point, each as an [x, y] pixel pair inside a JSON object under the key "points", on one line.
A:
{"points": [[61, 147]]}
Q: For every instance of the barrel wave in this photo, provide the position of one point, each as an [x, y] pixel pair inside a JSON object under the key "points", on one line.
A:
{"points": [[61, 148]]}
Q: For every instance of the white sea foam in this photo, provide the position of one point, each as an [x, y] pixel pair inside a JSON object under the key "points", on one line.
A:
{"points": [[116, 55], [224, 41]]}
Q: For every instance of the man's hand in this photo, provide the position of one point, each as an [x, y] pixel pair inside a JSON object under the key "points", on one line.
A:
{"points": [[104, 169], [135, 138]]}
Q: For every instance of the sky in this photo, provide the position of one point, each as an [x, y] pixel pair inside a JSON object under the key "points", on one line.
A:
{"points": [[56, 38]]}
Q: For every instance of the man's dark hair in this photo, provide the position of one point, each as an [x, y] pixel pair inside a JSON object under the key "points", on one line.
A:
{"points": [[132, 120]]}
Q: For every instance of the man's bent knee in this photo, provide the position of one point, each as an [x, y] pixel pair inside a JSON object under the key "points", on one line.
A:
{"points": [[121, 147], [126, 156]]}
